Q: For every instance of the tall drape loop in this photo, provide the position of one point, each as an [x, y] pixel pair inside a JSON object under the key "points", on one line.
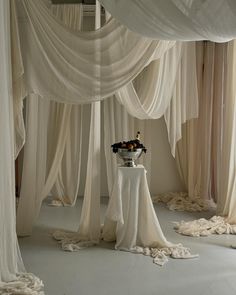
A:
{"points": [[66, 187], [13, 279], [90, 223], [10, 260]]}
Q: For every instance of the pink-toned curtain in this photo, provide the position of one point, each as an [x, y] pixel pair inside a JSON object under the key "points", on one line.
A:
{"points": [[199, 151]]}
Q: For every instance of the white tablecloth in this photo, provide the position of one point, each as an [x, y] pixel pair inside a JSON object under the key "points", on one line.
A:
{"points": [[131, 207], [131, 220]]}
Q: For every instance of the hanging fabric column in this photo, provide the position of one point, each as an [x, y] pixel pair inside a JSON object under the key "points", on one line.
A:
{"points": [[13, 279], [90, 217], [227, 205], [42, 157], [65, 190], [10, 260], [35, 168]]}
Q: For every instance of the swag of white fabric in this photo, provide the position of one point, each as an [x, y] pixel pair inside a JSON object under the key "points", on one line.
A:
{"points": [[177, 19], [80, 67]]}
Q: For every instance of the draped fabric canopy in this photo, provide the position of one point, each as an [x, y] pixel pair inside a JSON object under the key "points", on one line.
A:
{"points": [[80, 67], [177, 19], [67, 66], [146, 97]]}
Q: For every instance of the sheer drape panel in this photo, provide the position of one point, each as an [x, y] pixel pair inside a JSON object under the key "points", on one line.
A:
{"points": [[65, 190], [183, 105], [53, 149], [10, 259], [199, 150], [187, 151], [90, 223], [35, 167], [219, 86], [177, 19], [222, 149], [19, 90], [226, 206], [34, 163], [13, 279]]}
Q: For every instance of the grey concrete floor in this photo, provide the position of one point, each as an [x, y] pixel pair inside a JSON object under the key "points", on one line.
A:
{"points": [[101, 270]]}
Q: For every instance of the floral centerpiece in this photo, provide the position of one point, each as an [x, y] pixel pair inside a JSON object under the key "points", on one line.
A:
{"points": [[129, 151]]}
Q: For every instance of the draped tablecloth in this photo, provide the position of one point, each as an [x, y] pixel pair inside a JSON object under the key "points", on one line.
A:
{"points": [[131, 220], [130, 216]]}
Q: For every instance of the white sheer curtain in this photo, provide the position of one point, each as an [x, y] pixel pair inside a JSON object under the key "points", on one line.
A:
{"points": [[177, 19], [66, 187], [90, 224], [13, 279], [65, 190], [46, 163], [10, 260], [19, 90], [42, 175]]}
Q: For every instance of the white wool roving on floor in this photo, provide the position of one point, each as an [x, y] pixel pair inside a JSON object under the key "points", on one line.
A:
{"points": [[101, 270]]}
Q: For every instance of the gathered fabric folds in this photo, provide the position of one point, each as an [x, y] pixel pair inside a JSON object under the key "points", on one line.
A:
{"points": [[13, 278], [177, 19], [147, 97], [79, 67]]}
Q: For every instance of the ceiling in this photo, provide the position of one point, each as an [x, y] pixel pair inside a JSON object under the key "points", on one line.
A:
{"points": [[89, 2]]}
